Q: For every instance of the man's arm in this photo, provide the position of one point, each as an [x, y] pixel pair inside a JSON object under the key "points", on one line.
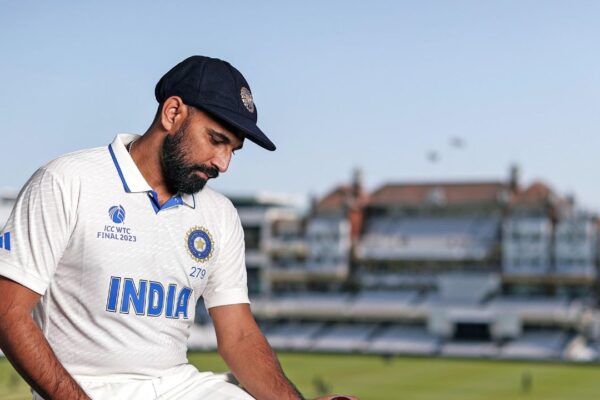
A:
{"points": [[248, 354], [26, 347]]}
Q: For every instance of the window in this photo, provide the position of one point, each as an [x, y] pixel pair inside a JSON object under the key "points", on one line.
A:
{"points": [[252, 237]]}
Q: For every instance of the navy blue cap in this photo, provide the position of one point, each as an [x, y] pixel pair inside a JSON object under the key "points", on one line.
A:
{"points": [[214, 86]]}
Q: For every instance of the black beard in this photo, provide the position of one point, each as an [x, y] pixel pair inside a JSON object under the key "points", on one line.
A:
{"points": [[178, 175]]}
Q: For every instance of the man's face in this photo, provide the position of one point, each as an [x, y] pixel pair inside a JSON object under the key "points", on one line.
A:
{"points": [[198, 151]]}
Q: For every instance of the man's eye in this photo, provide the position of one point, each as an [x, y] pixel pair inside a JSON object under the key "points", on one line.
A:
{"points": [[215, 140]]}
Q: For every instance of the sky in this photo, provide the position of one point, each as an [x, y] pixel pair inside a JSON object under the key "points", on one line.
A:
{"points": [[338, 85]]}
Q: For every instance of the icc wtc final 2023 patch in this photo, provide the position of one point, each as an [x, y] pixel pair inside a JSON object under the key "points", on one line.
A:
{"points": [[199, 244], [117, 214]]}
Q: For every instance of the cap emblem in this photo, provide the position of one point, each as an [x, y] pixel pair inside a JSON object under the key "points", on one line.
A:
{"points": [[246, 96]]}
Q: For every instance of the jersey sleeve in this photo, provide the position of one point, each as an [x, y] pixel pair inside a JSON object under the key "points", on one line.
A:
{"points": [[227, 282], [36, 232]]}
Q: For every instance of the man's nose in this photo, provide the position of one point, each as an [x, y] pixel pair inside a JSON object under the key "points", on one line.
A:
{"points": [[221, 161]]}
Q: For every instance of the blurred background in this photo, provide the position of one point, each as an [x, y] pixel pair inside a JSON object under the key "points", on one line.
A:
{"points": [[428, 226]]}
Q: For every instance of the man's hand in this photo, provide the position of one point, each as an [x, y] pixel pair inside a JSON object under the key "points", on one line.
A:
{"points": [[26, 347], [249, 355]]}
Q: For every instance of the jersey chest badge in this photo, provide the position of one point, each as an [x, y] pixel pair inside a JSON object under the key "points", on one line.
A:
{"points": [[199, 244]]}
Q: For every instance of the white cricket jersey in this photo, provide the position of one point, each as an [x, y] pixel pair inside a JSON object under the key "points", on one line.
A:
{"points": [[120, 275]]}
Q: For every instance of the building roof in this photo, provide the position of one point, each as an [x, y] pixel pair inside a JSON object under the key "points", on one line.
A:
{"points": [[538, 193], [335, 199], [438, 192]]}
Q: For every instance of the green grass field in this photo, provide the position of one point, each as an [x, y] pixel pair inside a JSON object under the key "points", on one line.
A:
{"points": [[373, 378]]}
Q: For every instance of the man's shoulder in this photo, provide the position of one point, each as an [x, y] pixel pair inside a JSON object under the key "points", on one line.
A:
{"points": [[218, 200], [78, 163]]}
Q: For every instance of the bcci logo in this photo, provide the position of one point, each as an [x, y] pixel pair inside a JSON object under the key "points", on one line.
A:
{"points": [[199, 244], [117, 214], [246, 96]]}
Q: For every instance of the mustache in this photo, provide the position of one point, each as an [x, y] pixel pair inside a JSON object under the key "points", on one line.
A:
{"points": [[211, 172]]}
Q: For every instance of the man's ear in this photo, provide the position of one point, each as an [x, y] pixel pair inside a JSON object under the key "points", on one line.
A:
{"points": [[174, 112]]}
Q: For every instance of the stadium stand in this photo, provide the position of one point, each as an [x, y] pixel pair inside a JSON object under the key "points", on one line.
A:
{"points": [[304, 305], [345, 338], [293, 335], [470, 349], [412, 340], [386, 305], [539, 345], [540, 310], [445, 238]]}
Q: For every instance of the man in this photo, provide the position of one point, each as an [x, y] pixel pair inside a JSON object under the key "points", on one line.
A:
{"points": [[111, 247]]}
